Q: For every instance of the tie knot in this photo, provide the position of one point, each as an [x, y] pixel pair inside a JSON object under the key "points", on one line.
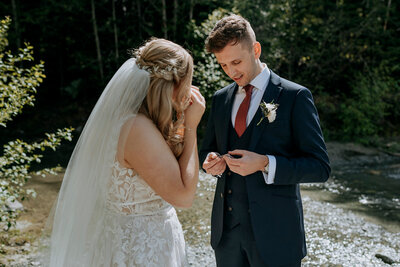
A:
{"points": [[248, 88]]}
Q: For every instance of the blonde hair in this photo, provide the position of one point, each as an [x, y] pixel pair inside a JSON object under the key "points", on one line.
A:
{"points": [[170, 66]]}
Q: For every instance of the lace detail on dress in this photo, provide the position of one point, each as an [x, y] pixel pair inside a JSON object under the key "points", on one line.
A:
{"points": [[140, 228], [129, 194], [148, 241]]}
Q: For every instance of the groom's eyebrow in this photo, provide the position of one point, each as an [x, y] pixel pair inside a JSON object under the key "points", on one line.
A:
{"points": [[230, 61]]}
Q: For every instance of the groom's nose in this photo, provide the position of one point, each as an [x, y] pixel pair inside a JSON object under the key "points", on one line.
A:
{"points": [[230, 71]]}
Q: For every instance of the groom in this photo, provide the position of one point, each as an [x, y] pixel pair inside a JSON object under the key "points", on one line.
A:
{"points": [[259, 158]]}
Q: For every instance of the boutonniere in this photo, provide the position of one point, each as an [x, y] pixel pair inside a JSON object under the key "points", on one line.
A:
{"points": [[268, 110]]}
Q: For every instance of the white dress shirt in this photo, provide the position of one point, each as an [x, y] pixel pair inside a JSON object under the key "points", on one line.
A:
{"points": [[260, 83]]}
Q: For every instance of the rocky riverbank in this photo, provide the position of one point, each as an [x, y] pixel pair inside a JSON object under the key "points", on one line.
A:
{"points": [[342, 226], [336, 236]]}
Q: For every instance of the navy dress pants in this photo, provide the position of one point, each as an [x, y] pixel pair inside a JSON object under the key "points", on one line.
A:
{"points": [[237, 248]]}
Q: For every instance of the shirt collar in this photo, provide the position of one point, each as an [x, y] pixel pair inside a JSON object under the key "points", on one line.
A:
{"points": [[260, 81]]}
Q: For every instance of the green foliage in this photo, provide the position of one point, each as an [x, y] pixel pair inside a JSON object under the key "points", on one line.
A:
{"points": [[207, 72], [323, 45], [330, 47], [363, 113], [18, 85], [73, 88]]}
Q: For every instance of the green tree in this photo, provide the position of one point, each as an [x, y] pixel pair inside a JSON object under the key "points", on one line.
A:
{"points": [[208, 74], [323, 45], [341, 50], [17, 88], [373, 98]]}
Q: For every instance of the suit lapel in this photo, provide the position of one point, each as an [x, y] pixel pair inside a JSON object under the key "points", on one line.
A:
{"points": [[227, 116], [271, 93]]}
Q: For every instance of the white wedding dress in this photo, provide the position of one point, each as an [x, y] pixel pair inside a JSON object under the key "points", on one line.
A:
{"points": [[105, 214], [140, 228]]}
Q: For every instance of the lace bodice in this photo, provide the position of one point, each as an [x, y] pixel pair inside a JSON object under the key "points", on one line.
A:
{"points": [[140, 228], [129, 194]]}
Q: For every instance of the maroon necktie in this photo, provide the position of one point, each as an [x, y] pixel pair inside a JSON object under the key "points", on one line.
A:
{"points": [[240, 121]]}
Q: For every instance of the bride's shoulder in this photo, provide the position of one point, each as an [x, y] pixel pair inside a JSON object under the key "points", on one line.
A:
{"points": [[143, 141], [141, 120], [141, 125]]}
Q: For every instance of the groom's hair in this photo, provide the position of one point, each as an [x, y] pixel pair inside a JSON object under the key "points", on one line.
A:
{"points": [[232, 29]]}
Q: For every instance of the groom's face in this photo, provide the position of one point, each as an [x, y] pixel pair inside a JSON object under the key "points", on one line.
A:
{"points": [[240, 62]]}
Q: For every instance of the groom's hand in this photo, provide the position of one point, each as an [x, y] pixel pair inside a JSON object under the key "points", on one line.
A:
{"points": [[244, 162], [214, 164]]}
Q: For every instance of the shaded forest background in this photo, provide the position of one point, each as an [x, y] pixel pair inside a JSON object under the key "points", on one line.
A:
{"points": [[346, 52]]}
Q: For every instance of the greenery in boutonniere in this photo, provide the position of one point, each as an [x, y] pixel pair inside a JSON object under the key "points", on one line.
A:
{"points": [[268, 110]]}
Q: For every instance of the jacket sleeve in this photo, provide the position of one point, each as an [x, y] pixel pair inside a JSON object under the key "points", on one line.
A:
{"points": [[209, 143], [311, 163]]}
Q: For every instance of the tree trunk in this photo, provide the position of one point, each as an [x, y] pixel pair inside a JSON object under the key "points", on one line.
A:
{"points": [[191, 10], [164, 19], [139, 18], [387, 14], [175, 19], [96, 36], [115, 31], [15, 19]]}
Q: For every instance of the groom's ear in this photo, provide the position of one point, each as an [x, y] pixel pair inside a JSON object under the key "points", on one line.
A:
{"points": [[257, 50]]}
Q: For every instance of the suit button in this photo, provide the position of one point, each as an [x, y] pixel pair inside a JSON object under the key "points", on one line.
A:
{"points": [[222, 195], [229, 173], [229, 191], [230, 208]]}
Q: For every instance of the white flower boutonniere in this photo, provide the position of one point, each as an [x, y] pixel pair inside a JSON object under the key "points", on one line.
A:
{"points": [[268, 110]]}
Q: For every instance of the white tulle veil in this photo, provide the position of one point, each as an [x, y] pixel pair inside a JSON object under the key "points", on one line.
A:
{"points": [[80, 208]]}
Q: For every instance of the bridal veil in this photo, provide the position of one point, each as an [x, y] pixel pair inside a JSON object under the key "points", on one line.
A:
{"points": [[80, 208]]}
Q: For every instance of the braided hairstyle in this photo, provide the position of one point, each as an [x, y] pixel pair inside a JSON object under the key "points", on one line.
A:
{"points": [[171, 68]]}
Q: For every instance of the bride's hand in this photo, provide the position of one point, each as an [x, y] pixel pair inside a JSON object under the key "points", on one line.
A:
{"points": [[195, 110]]}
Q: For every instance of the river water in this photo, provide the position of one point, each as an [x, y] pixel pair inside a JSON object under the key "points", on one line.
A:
{"points": [[337, 235], [351, 220]]}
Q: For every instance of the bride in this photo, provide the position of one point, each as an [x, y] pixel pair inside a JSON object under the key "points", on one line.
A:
{"points": [[135, 160]]}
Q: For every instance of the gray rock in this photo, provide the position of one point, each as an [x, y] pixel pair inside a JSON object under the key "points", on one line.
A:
{"points": [[385, 259], [14, 205]]}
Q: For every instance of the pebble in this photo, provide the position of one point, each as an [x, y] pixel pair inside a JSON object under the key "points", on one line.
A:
{"points": [[335, 237], [384, 258]]}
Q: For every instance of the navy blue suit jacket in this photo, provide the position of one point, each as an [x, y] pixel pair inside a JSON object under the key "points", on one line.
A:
{"points": [[296, 141]]}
